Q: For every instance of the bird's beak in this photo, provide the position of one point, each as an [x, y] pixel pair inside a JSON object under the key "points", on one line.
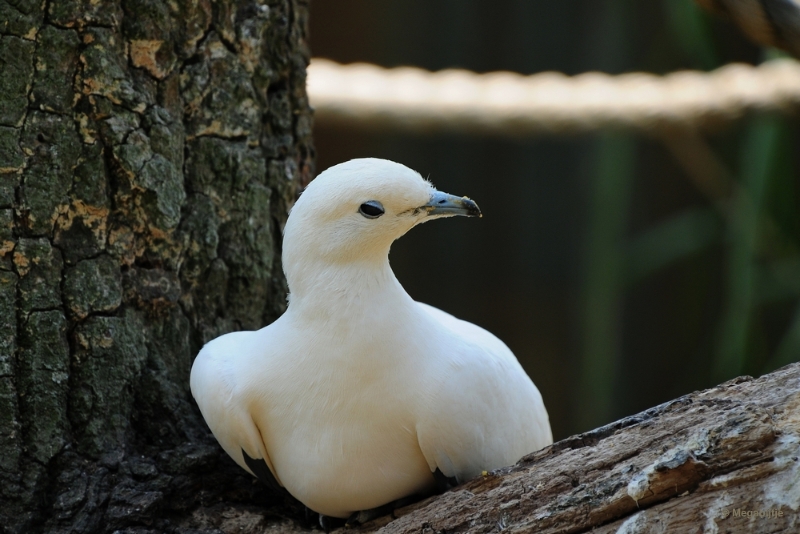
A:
{"points": [[447, 205]]}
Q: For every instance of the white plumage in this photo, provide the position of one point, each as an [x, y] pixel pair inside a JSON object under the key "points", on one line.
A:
{"points": [[357, 394]]}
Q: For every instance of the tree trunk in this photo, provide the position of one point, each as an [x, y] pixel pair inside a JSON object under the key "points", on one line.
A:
{"points": [[721, 460], [149, 152]]}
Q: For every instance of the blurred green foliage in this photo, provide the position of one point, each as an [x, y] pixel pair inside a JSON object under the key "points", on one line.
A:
{"points": [[690, 28], [757, 227], [604, 274]]}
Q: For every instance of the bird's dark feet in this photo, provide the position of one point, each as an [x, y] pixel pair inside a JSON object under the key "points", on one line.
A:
{"points": [[359, 518], [443, 483], [325, 522], [330, 523]]}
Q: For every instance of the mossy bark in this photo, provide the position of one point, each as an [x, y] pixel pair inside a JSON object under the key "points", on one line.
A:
{"points": [[149, 152]]}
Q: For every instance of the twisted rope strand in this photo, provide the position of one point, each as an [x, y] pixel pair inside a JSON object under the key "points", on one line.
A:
{"points": [[507, 103]]}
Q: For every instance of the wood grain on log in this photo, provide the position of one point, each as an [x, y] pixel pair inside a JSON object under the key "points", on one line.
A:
{"points": [[720, 460]]}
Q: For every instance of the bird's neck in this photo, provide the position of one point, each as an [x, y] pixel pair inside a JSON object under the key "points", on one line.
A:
{"points": [[326, 290]]}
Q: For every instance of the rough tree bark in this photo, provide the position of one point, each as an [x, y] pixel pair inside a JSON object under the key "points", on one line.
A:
{"points": [[149, 151], [722, 460]]}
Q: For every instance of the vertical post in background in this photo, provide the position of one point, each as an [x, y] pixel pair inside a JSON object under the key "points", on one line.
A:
{"points": [[690, 27], [612, 168], [758, 154], [603, 282]]}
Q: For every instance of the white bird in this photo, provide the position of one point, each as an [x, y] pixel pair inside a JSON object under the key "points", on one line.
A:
{"points": [[358, 396]]}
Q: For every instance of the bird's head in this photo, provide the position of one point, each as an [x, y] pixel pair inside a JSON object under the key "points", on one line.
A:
{"points": [[353, 212]]}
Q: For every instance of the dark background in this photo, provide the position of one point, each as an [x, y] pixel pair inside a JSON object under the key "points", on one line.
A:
{"points": [[614, 280]]}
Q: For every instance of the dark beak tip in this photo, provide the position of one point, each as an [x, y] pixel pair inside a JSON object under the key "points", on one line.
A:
{"points": [[472, 208], [445, 204]]}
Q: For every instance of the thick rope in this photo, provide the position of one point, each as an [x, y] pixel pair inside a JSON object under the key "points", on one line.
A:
{"points": [[506, 103]]}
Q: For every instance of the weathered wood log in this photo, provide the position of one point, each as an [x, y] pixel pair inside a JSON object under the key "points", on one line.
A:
{"points": [[722, 460]]}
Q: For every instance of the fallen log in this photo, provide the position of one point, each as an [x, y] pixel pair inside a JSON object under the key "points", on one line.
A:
{"points": [[721, 460]]}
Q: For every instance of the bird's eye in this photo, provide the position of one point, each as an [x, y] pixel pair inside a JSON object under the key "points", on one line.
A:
{"points": [[371, 209]]}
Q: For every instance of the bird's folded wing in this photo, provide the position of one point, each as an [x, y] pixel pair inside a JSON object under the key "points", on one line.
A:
{"points": [[262, 468], [483, 411], [453, 441], [227, 412]]}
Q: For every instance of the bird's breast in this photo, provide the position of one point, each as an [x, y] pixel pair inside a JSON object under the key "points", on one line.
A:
{"points": [[341, 455], [337, 411]]}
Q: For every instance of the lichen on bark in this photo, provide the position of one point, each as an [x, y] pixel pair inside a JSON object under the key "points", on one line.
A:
{"points": [[149, 152]]}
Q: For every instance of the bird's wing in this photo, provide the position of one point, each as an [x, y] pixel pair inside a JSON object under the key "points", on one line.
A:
{"points": [[225, 405], [484, 412]]}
